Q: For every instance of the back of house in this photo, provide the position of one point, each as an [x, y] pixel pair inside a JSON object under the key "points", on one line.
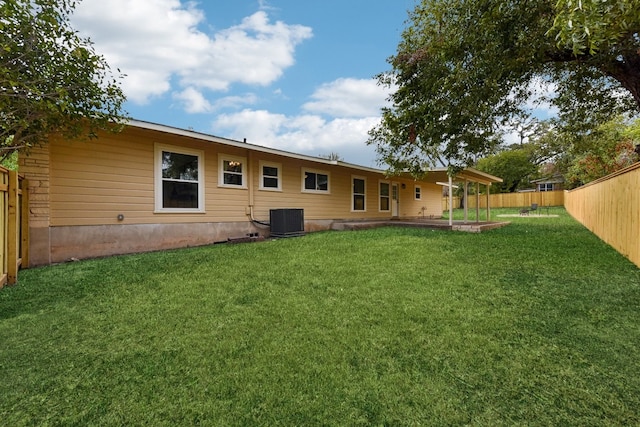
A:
{"points": [[154, 187]]}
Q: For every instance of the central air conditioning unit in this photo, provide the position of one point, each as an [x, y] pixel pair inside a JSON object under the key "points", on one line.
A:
{"points": [[286, 222]]}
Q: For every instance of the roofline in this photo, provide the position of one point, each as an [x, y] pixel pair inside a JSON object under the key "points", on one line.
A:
{"points": [[469, 171], [241, 144], [557, 180]]}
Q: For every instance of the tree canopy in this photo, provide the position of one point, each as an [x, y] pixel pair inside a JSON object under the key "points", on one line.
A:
{"points": [[513, 166], [51, 79], [609, 148], [465, 68]]}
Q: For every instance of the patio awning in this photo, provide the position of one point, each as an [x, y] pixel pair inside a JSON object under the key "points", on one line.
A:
{"points": [[436, 175], [441, 175]]}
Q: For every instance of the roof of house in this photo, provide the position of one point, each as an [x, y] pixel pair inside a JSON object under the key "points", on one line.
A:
{"points": [[433, 175], [555, 179]]}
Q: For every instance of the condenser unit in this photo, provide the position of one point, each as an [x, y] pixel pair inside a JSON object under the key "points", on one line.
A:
{"points": [[286, 222]]}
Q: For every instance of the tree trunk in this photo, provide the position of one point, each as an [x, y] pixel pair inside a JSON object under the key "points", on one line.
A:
{"points": [[627, 73]]}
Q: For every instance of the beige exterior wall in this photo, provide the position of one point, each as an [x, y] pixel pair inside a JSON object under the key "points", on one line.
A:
{"points": [[79, 189], [428, 206]]}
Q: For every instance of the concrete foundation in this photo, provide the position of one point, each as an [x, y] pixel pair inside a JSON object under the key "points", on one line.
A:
{"points": [[60, 244], [39, 246], [78, 242]]}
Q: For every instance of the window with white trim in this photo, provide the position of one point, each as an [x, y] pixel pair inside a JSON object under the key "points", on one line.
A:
{"points": [[179, 179], [314, 181], [418, 192], [545, 187], [385, 200], [232, 171], [358, 194], [270, 176]]}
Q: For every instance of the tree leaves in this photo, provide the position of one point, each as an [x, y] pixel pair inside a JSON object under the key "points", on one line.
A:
{"points": [[590, 26], [463, 68], [51, 80]]}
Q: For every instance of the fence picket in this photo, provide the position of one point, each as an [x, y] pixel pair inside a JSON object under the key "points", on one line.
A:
{"points": [[610, 208], [511, 200], [14, 225]]}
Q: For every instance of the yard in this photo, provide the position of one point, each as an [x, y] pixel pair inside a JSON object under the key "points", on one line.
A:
{"points": [[536, 323]]}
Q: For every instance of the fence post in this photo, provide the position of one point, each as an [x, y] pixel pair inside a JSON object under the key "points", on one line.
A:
{"points": [[12, 230]]}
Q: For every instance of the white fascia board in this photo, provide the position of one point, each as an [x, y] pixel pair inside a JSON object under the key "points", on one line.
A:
{"points": [[241, 144]]}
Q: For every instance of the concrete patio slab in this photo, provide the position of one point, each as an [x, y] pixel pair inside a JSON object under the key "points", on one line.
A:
{"points": [[436, 224]]}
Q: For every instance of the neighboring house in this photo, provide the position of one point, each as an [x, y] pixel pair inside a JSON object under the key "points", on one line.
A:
{"points": [[553, 183], [154, 187]]}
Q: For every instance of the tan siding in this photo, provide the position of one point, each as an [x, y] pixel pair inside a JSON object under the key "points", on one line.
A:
{"points": [[334, 205], [93, 182], [430, 201]]}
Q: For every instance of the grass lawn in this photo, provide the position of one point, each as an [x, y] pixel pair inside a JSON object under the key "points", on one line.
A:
{"points": [[537, 323]]}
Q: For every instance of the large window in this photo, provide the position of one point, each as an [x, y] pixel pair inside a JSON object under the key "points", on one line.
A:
{"points": [[232, 171], [359, 191], [314, 181], [270, 176], [385, 205], [179, 179], [545, 187]]}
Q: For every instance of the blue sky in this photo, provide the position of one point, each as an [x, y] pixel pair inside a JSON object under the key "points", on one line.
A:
{"points": [[297, 75]]}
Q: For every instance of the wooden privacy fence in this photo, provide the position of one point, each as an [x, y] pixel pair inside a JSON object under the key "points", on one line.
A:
{"points": [[14, 225], [610, 208], [511, 200]]}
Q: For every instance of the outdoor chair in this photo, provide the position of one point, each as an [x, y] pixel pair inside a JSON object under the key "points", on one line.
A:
{"points": [[534, 207]]}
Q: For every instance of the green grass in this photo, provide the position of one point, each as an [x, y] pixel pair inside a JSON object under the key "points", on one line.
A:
{"points": [[537, 323]]}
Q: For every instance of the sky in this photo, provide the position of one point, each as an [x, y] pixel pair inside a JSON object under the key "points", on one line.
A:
{"points": [[296, 75]]}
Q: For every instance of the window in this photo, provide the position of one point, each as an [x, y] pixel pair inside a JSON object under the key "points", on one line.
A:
{"points": [[270, 176], [385, 206], [179, 175], [358, 194], [314, 181], [418, 192], [232, 171], [545, 187]]}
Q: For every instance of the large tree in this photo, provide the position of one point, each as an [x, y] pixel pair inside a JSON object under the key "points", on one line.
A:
{"points": [[51, 79], [465, 68], [514, 166], [609, 148]]}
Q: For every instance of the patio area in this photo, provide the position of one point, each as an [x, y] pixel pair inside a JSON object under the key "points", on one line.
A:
{"points": [[436, 224]]}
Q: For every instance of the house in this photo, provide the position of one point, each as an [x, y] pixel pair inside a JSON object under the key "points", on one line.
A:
{"points": [[551, 183], [154, 187]]}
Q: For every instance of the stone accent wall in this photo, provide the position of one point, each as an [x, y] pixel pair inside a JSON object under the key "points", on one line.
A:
{"points": [[35, 167]]}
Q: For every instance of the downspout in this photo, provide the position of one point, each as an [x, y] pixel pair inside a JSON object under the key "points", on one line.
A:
{"points": [[250, 182], [250, 185]]}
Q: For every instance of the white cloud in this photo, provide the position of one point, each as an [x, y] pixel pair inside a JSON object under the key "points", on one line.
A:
{"points": [[352, 106], [235, 102], [193, 101], [155, 41], [348, 97], [306, 134]]}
